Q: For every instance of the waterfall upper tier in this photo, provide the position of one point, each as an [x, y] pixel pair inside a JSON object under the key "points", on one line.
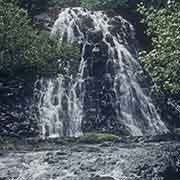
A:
{"points": [[106, 94]]}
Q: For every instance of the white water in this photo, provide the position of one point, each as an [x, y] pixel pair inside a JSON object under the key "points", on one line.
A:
{"points": [[61, 105], [59, 108]]}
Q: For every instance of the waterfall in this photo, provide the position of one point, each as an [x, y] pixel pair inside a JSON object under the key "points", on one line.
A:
{"points": [[59, 108], [106, 94]]}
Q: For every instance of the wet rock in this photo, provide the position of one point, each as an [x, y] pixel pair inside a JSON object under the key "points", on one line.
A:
{"points": [[94, 36], [86, 23], [99, 97], [109, 39], [148, 161], [16, 108], [61, 153], [88, 51], [42, 177], [102, 178], [43, 21]]}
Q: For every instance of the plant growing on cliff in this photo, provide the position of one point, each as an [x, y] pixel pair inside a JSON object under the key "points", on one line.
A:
{"points": [[24, 50], [163, 59]]}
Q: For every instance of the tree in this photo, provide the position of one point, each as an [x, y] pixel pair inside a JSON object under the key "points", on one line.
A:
{"points": [[100, 4], [24, 50], [106, 4], [163, 59]]}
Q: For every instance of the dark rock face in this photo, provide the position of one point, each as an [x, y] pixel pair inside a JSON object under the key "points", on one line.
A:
{"points": [[149, 161], [16, 107], [169, 108], [99, 98]]}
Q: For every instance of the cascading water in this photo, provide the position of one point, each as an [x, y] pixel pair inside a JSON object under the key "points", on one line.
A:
{"points": [[59, 108], [106, 95]]}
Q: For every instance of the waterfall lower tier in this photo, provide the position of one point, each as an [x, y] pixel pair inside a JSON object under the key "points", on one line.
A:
{"points": [[106, 95], [60, 110]]}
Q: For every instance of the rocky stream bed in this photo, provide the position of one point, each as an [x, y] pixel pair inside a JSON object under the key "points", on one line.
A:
{"points": [[142, 160]]}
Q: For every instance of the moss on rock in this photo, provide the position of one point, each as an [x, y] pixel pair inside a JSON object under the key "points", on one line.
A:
{"points": [[177, 130], [97, 138], [7, 144]]}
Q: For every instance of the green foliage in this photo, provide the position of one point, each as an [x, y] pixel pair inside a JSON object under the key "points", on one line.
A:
{"points": [[37, 6], [97, 137], [33, 6], [63, 3], [163, 60], [111, 4], [24, 50], [101, 4], [7, 143], [154, 3], [177, 130]]}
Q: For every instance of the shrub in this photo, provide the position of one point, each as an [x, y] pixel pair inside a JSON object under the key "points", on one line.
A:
{"points": [[163, 59], [24, 50], [33, 6], [110, 4], [100, 4]]}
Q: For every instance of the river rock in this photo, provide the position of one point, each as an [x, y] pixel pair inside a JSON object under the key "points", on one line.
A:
{"points": [[147, 161]]}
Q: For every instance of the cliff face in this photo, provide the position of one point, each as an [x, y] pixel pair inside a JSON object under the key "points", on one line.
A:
{"points": [[107, 93], [16, 107]]}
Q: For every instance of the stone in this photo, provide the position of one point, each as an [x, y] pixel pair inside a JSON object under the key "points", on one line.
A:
{"points": [[94, 36], [16, 108], [113, 161], [86, 23], [102, 178]]}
